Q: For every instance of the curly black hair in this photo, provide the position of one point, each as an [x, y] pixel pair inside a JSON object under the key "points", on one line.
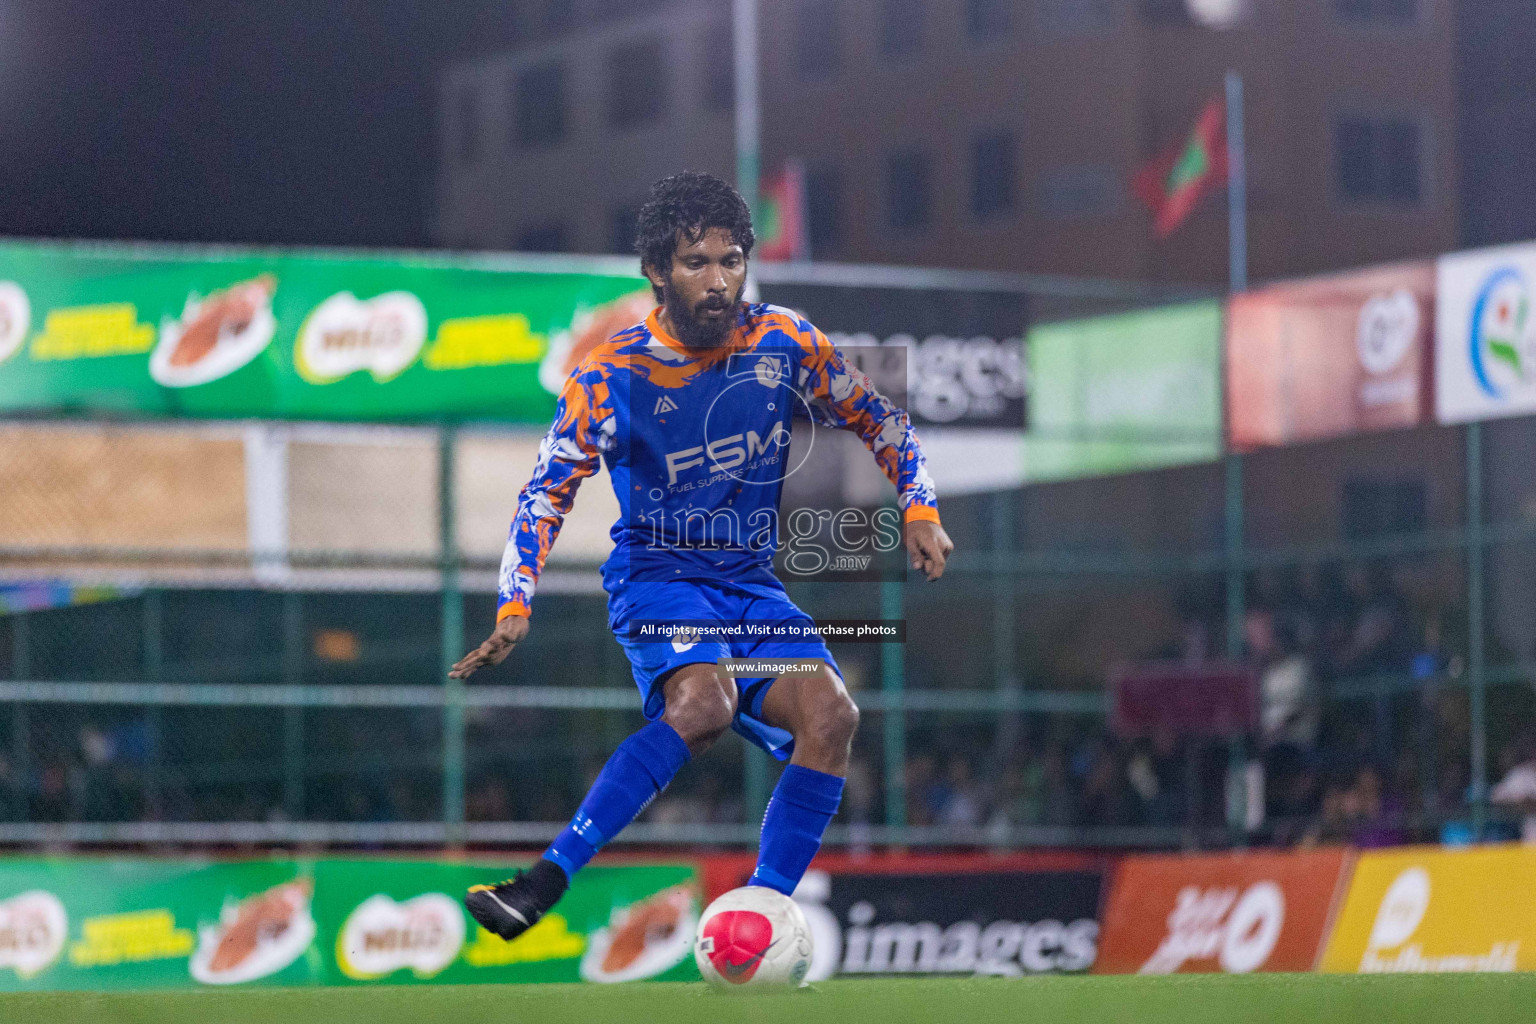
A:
{"points": [[689, 204]]}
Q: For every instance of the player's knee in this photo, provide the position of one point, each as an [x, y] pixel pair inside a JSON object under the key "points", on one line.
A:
{"points": [[834, 721], [701, 715]]}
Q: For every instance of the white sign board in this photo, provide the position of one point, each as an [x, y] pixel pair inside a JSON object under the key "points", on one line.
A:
{"points": [[1485, 342]]}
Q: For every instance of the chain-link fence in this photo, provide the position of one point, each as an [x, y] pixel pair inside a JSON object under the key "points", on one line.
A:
{"points": [[239, 633]]}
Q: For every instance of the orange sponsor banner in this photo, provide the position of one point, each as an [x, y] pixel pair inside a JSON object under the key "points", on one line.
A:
{"points": [[1233, 913], [1330, 356]]}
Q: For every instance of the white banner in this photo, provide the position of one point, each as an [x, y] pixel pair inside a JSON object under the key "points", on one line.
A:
{"points": [[1485, 344]]}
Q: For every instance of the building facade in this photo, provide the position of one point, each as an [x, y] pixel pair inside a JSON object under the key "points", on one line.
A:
{"points": [[990, 134]]}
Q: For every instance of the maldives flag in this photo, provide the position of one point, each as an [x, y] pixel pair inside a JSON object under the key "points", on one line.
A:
{"points": [[780, 228], [1173, 184]]}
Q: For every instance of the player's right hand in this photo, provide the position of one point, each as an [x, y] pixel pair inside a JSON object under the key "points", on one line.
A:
{"points": [[509, 633]]}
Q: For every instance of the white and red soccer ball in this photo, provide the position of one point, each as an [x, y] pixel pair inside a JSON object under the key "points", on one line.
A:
{"points": [[753, 937]]}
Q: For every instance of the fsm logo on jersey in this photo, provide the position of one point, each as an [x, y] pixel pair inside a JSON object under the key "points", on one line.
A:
{"points": [[1485, 350]]}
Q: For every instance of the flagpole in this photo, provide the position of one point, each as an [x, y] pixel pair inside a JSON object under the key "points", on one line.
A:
{"points": [[1239, 779], [1237, 187], [744, 45]]}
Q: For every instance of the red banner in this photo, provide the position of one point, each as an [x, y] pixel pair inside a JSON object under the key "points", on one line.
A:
{"points": [[1329, 357], [1232, 913]]}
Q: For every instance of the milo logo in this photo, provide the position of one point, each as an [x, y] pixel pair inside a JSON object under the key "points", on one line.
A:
{"points": [[382, 936], [33, 927]]}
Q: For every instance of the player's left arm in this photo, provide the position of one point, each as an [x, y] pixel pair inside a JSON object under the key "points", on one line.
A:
{"points": [[846, 398]]}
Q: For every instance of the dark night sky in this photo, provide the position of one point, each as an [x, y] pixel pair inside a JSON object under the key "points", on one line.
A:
{"points": [[304, 121]]}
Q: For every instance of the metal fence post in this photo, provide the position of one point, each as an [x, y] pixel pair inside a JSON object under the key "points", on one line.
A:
{"points": [[893, 682], [755, 782], [1004, 617], [1477, 680], [293, 716], [452, 638], [153, 627], [1237, 762], [21, 668]]}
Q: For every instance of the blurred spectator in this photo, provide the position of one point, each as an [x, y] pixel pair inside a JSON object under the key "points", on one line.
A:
{"points": [[924, 790], [860, 793], [1021, 794], [1153, 773], [1104, 797], [962, 801], [1289, 712], [1375, 641], [1517, 789]]}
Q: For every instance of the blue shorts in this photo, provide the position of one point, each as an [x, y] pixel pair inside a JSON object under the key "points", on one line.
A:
{"points": [[727, 603]]}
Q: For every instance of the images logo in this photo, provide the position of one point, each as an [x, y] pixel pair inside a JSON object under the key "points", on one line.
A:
{"points": [[1503, 342]]}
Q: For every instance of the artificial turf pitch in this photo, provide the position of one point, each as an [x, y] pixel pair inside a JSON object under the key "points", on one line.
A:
{"points": [[1181, 999]]}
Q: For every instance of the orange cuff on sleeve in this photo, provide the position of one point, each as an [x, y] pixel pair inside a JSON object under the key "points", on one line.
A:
{"points": [[512, 608], [925, 513]]}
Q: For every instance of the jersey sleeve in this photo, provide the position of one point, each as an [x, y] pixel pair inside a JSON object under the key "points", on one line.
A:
{"points": [[841, 395], [568, 454]]}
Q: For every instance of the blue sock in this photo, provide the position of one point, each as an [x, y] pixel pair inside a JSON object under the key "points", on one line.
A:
{"points": [[637, 771], [803, 803]]}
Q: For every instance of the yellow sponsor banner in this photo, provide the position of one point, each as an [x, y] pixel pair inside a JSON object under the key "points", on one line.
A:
{"points": [[1427, 909]]}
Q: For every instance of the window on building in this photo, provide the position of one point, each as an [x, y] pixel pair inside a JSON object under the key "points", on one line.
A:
{"points": [[539, 103], [1211, 14], [719, 66], [908, 182], [550, 237], [992, 175], [637, 80], [1079, 190], [621, 228], [1385, 12], [987, 19], [1373, 507], [466, 116], [824, 210], [1379, 160], [1159, 12], [558, 15], [1059, 18], [901, 27], [818, 40]]}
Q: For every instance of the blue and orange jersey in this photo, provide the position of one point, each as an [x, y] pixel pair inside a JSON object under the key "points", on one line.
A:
{"points": [[696, 443]]}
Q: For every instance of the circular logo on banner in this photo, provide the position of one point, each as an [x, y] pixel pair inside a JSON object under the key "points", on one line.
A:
{"points": [[1253, 928], [1402, 909], [33, 927], [15, 318], [1503, 343], [382, 936], [1388, 324]]}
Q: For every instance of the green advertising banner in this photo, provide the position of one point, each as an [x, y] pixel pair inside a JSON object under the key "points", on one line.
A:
{"points": [[69, 924], [1126, 392], [165, 331]]}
